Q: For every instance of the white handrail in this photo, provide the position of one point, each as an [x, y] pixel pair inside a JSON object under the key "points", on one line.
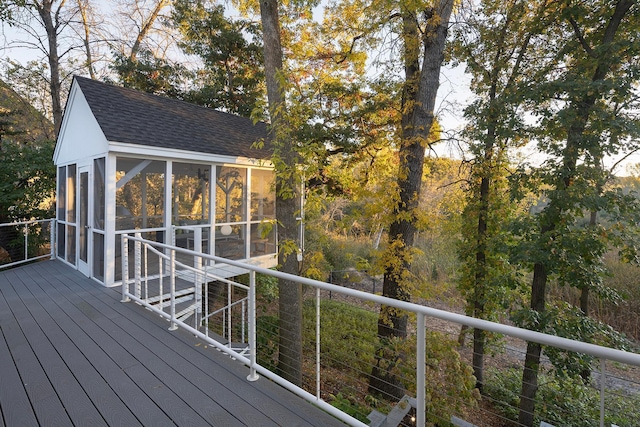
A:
{"points": [[26, 224], [516, 332], [603, 353]]}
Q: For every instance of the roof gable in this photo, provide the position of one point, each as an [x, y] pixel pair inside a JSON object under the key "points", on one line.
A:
{"points": [[133, 117], [80, 137]]}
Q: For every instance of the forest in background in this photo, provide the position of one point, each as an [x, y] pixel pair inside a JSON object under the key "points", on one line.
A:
{"points": [[550, 245]]}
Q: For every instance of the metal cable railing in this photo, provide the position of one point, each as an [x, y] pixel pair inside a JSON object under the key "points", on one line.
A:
{"points": [[26, 241], [337, 369]]}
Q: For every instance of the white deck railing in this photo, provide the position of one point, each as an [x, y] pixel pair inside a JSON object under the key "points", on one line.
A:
{"points": [[203, 267], [30, 238]]}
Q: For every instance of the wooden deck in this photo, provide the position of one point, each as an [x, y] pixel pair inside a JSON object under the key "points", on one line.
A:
{"points": [[72, 354]]}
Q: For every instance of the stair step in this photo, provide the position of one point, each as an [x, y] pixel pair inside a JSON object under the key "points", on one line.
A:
{"points": [[167, 296], [180, 300], [186, 312]]}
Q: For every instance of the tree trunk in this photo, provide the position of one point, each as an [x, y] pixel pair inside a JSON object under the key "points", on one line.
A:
{"points": [[479, 293], [553, 213], [146, 28], [419, 93], [534, 350], [51, 27], [83, 7], [493, 115], [290, 293]]}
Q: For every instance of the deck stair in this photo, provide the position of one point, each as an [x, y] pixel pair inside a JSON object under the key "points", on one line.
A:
{"points": [[395, 417], [401, 409], [186, 304], [239, 347]]}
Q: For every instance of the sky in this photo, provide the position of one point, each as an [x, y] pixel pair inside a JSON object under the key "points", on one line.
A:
{"points": [[453, 96]]}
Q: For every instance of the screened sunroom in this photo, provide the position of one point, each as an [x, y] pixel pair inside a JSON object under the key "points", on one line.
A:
{"points": [[130, 162]]}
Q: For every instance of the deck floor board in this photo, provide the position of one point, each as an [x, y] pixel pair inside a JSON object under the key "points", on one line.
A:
{"points": [[72, 354], [158, 352], [26, 309]]}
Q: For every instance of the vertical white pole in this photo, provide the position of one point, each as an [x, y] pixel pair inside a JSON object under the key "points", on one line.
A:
{"points": [[146, 273], [253, 375], [168, 207], [206, 300], [138, 265], [52, 238], [197, 239], [26, 242], [247, 219], [243, 307], [110, 236], [212, 212], [603, 380], [318, 343], [421, 361], [229, 328], [172, 278], [143, 193], [161, 282], [197, 264], [125, 267]]}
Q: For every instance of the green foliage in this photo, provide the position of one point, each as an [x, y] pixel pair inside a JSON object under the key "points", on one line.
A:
{"points": [[569, 322], [266, 288], [148, 73], [350, 405], [27, 186], [344, 254], [27, 181], [449, 381], [624, 315], [442, 203], [347, 335], [562, 401], [565, 320], [24, 93], [267, 341], [231, 76]]}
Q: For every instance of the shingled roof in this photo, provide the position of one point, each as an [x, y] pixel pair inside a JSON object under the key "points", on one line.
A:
{"points": [[129, 116]]}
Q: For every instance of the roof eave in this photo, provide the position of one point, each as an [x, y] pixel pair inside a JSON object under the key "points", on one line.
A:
{"points": [[193, 156]]}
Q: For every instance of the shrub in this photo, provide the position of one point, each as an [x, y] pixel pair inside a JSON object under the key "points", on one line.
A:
{"points": [[348, 341], [560, 401], [347, 334], [267, 341], [349, 405]]}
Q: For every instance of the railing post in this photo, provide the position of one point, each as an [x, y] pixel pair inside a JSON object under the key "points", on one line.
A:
{"points": [[318, 343], [197, 239], [52, 238], [420, 371], [243, 322], [124, 249], [229, 318], [253, 375], [146, 274], [197, 264], [138, 264], [603, 380], [26, 241], [172, 284], [206, 300]]}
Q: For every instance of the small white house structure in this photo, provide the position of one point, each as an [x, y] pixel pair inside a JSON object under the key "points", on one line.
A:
{"points": [[134, 162]]}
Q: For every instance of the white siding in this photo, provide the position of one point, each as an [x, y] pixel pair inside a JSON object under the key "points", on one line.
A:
{"points": [[80, 136]]}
